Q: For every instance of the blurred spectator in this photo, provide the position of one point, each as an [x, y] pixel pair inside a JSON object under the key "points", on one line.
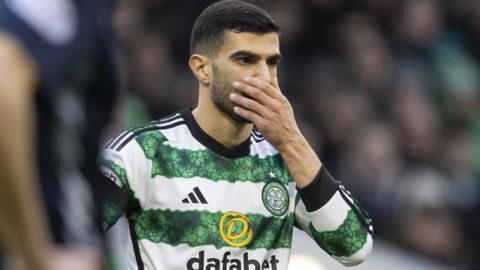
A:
{"points": [[366, 53], [419, 23], [371, 167], [424, 221], [415, 114]]}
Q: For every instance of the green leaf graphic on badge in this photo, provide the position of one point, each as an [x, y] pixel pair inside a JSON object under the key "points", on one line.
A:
{"points": [[275, 198]]}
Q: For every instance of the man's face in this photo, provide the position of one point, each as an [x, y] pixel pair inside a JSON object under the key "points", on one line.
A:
{"points": [[242, 54]]}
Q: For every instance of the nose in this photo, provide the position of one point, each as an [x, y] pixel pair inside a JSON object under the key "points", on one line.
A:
{"points": [[264, 73]]}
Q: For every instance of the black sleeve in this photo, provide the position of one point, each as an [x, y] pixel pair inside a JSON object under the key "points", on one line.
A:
{"points": [[319, 191], [115, 203]]}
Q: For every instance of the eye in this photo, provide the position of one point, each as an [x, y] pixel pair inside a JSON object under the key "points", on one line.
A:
{"points": [[273, 62], [245, 60]]}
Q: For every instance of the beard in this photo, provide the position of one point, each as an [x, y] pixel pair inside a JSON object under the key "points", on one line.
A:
{"points": [[221, 90]]}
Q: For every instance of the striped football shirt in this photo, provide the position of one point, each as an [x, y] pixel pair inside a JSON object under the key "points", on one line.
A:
{"points": [[193, 204]]}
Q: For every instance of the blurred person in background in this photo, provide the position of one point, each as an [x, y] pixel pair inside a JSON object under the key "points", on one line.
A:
{"points": [[424, 217], [417, 121], [370, 167], [204, 189], [57, 90], [366, 54]]}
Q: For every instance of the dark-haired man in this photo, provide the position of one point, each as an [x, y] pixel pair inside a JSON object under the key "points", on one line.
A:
{"points": [[221, 186]]}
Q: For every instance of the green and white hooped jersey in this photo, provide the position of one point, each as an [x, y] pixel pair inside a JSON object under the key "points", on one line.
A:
{"points": [[193, 204]]}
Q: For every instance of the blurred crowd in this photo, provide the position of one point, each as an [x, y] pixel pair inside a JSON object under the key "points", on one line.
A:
{"points": [[387, 91]]}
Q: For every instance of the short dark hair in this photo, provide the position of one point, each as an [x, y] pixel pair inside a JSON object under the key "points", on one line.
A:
{"points": [[228, 15]]}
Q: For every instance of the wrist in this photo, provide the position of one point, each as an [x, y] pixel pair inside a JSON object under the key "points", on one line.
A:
{"points": [[293, 144], [316, 194], [301, 161]]}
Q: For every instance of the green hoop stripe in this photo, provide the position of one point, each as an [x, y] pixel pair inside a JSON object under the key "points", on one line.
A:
{"points": [[199, 228], [345, 241], [172, 162]]}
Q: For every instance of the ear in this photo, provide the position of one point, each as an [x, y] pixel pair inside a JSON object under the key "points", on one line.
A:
{"points": [[200, 66]]}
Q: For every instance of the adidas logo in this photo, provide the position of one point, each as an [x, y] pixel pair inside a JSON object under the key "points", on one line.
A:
{"points": [[195, 197]]}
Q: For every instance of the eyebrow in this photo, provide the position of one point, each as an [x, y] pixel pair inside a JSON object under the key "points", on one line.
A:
{"points": [[276, 57]]}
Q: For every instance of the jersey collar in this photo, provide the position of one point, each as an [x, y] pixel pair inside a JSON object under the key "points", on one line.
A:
{"points": [[243, 149]]}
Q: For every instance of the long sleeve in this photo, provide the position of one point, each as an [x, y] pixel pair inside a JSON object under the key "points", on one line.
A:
{"points": [[126, 184], [326, 211]]}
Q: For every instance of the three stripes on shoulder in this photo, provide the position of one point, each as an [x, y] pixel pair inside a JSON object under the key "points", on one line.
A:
{"points": [[121, 140]]}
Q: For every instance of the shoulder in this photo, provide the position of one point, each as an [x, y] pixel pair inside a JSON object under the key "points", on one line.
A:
{"points": [[162, 130], [260, 146]]}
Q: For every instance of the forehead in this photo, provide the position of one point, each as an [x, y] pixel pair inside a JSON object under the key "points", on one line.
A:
{"points": [[262, 44]]}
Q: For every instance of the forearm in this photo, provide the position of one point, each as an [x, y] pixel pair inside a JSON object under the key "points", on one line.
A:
{"points": [[21, 216], [326, 211], [334, 220], [22, 222]]}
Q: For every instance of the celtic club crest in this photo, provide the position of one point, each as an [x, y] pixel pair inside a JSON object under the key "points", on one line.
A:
{"points": [[275, 198]]}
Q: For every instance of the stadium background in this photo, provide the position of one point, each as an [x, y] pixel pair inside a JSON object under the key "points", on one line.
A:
{"points": [[386, 91]]}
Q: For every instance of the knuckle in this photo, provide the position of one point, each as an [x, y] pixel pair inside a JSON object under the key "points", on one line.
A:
{"points": [[277, 105], [260, 125], [242, 110], [248, 104], [240, 100], [263, 124], [264, 84], [256, 94]]}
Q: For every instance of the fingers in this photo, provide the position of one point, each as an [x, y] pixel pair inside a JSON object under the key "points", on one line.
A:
{"points": [[259, 101], [249, 115], [252, 91], [249, 104], [271, 90]]}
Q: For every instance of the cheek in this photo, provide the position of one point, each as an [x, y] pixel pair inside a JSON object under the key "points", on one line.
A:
{"points": [[234, 72]]}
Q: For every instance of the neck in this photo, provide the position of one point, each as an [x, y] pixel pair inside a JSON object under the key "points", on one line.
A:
{"points": [[220, 126]]}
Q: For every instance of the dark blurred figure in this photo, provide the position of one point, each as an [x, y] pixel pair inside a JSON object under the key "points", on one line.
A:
{"points": [[424, 218], [57, 90], [375, 162], [366, 54], [417, 119]]}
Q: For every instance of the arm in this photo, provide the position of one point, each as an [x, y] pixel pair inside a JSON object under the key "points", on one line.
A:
{"points": [[326, 211], [334, 220], [116, 202], [127, 181], [22, 220], [272, 114]]}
